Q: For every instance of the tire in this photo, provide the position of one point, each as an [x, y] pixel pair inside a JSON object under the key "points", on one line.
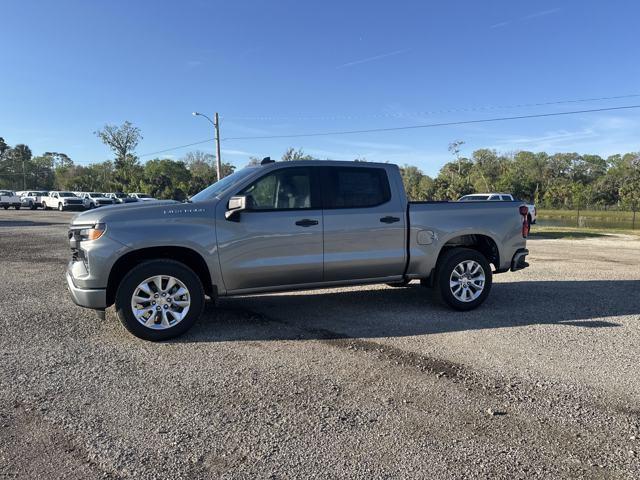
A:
{"points": [[138, 276], [32, 206], [17, 207], [466, 259], [6, 207], [91, 206], [60, 207]]}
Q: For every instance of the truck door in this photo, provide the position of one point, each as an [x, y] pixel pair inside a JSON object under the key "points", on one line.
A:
{"points": [[277, 241], [364, 224]]}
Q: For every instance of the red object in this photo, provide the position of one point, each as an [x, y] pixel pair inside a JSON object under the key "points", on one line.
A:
{"points": [[524, 210]]}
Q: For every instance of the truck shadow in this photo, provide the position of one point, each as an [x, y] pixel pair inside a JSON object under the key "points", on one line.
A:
{"points": [[398, 312]]}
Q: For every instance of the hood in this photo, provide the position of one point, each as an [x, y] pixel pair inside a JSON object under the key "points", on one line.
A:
{"points": [[126, 211]]}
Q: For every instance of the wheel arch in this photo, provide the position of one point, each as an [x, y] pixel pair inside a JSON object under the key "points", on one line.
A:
{"points": [[482, 243], [184, 255]]}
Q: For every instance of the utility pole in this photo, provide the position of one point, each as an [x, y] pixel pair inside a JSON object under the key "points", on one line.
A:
{"points": [[24, 176], [216, 126]]}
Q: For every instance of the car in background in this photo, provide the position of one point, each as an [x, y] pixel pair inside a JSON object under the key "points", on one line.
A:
{"points": [[62, 201], [32, 199], [500, 197], [119, 197], [143, 197], [8, 198], [95, 199]]}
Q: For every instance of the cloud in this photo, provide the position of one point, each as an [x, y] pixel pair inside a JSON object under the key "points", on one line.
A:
{"points": [[373, 59], [501, 24], [543, 13]]}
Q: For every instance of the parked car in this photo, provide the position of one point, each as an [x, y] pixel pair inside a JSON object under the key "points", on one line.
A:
{"points": [[120, 197], [271, 228], [62, 201], [95, 199], [32, 199], [142, 197], [500, 197], [8, 198]]}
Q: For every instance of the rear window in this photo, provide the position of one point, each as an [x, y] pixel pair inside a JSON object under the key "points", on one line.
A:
{"points": [[356, 187]]}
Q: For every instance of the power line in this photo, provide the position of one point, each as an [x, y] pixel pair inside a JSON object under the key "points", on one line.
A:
{"points": [[430, 112], [389, 129], [177, 148], [431, 125]]}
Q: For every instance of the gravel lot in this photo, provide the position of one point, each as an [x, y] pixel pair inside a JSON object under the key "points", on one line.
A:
{"points": [[368, 382]]}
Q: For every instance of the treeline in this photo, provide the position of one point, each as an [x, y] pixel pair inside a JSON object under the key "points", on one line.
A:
{"points": [[560, 180]]}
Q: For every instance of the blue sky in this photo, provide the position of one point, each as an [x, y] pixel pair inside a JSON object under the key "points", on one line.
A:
{"points": [[280, 67]]}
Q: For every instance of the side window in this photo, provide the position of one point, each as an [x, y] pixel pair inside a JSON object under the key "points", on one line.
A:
{"points": [[350, 187], [506, 198], [494, 198], [284, 189]]}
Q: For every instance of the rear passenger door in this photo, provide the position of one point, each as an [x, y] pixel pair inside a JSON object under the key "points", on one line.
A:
{"points": [[364, 224]]}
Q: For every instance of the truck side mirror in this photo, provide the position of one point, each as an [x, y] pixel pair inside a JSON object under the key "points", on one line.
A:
{"points": [[236, 205]]}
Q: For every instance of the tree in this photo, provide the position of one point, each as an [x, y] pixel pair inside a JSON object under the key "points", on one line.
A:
{"points": [[417, 185], [202, 169], [630, 190], [293, 154], [165, 178], [123, 140]]}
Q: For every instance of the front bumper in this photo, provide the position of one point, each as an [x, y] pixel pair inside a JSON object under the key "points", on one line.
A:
{"points": [[88, 298], [518, 262]]}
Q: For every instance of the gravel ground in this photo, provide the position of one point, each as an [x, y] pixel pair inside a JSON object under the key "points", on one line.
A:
{"points": [[368, 382]]}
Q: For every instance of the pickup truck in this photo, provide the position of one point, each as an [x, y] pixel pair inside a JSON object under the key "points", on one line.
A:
{"points": [[32, 199], [284, 226], [62, 201], [8, 198], [500, 197], [95, 199]]}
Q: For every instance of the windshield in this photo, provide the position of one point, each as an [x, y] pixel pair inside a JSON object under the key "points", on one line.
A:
{"points": [[6, 193], [219, 187], [96, 194], [474, 198], [66, 194], [143, 195], [119, 195]]}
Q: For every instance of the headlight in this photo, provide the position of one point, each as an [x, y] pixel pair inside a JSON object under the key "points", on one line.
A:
{"points": [[92, 233]]}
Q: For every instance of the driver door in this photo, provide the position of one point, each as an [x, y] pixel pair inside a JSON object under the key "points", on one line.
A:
{"points": [[277, 242]]}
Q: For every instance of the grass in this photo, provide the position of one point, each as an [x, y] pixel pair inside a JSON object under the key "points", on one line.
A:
{"points": [[589, 219], [573, 233]]}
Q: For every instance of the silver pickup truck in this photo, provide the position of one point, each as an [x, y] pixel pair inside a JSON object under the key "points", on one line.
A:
{"points": [[284, 226]]}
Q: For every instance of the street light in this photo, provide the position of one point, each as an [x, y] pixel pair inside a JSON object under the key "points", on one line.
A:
{"points": [[216, 129]]}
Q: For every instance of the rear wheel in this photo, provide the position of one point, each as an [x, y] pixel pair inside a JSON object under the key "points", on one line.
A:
{"points": [[32, 206], [463, 278], [159, 299], [17, 207], [60, 207]]}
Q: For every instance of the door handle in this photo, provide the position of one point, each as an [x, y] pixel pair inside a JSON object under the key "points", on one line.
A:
{"points": [[389, 219], [306, 222]]}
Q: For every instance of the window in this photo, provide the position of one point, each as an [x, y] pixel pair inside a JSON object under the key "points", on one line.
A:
{"points": [[495, 198], [350, 187], [284, 189], [474, 198], [506, 198]]}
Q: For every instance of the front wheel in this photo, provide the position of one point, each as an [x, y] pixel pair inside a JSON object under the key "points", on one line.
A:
{"points": [[17, 207], [463, 279], [60, 207], [159, 299], [32, 206]]}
